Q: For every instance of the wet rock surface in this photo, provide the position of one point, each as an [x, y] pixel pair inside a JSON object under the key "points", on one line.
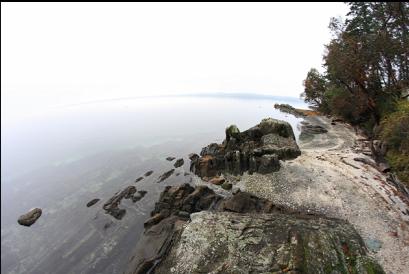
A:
{"points": [[194, 230], [92, 202], [112, 205], [30, 217], [138, 179], [257, 149], [148, 173], [170, 158], [179, 163], [165, 175]]}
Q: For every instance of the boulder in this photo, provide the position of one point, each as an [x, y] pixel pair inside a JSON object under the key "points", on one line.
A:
{"points": [[257, 149], [193, 230], [232, 132], [30, 217], [227, 242], [148, 173], [92, 202], [170, 158]]}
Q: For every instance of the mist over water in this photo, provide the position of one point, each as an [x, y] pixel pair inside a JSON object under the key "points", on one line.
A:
{"points": [[65, 157]]}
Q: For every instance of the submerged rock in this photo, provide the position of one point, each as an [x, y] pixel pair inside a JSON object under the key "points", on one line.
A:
{"points": [[112, 205], [257, 149], [165, 175], [30, 217], [148, 173], [179, 163], [137, 180], [92, 202], [139, 195], [170, 158]]}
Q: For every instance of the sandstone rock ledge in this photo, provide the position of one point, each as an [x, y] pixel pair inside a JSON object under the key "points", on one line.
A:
{"points": [[227, 242]]}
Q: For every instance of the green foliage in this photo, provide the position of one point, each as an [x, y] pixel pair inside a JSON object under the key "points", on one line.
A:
{"points": [[367, 72], [394, 130], [368, 59], [315, 87]]}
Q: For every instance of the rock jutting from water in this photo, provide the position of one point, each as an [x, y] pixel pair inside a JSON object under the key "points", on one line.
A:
{"points": [[139, 179], [112, 205], [257, 149], [165, 175], [170, 158], [30, 217], [179, 163], [92, 202], [194, 230], [148, 173]]}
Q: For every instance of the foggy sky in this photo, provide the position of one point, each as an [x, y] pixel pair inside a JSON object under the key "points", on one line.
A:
{"points": [[55, 54]]}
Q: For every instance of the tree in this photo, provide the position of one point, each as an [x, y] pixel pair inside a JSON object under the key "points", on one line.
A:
{"points": [[315, 86]]}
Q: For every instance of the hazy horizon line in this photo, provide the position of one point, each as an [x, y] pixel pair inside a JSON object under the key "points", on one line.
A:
{"points": [[233, 95]]}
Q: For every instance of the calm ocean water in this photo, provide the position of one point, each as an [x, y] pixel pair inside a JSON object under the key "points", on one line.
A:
{"points": [[61, 160]]}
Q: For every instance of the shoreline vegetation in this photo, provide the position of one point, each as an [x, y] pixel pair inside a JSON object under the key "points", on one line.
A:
{"points": [[366, 79]]}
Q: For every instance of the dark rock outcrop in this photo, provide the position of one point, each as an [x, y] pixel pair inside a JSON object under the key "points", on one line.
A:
{"points": [[184, 198], [148, 173], [179, 163], [226, 242], [30, 217], [137, 180], [165, 175], [193, 230], [112, 205], [170, 158], [257, 149], [92, 202]]}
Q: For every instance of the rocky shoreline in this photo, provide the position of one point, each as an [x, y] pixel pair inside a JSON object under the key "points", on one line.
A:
{"points": [[199, 229], [259, 202]]}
